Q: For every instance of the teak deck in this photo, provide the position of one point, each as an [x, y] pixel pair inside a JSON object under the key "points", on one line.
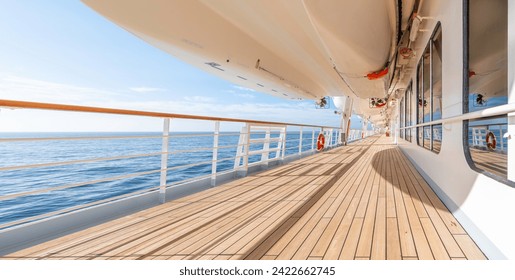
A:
{"points": [[492, 162], [362, 201]]}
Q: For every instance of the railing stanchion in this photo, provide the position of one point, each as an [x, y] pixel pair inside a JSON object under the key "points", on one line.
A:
{"points": [[266, 149], [215, 153], [246, 149], [300, 141], [164, 160], [242, 152], [283, 148], [312, 139]]}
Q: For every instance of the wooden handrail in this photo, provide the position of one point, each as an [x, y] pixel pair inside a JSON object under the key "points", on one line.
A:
{"points": [[87, 109]]}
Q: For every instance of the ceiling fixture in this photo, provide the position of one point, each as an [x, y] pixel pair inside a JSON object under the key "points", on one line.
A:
{"points": [[322, 103]]}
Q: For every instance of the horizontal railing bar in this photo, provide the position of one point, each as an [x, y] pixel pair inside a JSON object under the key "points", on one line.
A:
{"points": [[61, 163], [258, 152], [189, 180], [263, 140], [190, 151], [198, 178], [223, 159], [490, 124], [228, 146], [16, 195], [23, 139], [292, 147], [266, 161], [77, 207], [229, 134], [258, 125], [205, 149], [297, 140], [63, 187], [53, 164], [190, 135], [87, 138], [86, 109]]}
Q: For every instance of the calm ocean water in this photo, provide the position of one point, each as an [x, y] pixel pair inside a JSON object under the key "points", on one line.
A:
{"points": [[37, 152]]}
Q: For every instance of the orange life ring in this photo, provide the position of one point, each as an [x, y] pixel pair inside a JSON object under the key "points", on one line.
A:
{"points": [[491, 142], [320, 142]]}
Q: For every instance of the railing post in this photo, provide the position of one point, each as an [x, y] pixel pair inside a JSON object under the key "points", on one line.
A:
{"points": [[215, 153], [300, 141], [246, 149], [164, 160], [266, 149], [242, 152], [330, 132], [312, 139], [283, 147]]}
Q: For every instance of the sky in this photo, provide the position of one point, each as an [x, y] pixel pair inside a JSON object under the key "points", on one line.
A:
{"points": [[63, 52]]}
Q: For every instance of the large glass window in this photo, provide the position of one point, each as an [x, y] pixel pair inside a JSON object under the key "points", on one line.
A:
{"points": [[429, 93], [486, 86], [406, 112], [402, 117], [409, 110]]}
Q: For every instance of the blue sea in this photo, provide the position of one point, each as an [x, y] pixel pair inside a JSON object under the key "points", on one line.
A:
{"points": [[21, 153]]}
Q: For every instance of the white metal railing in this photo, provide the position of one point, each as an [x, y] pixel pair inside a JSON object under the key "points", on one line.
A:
{"points": [[489, 112], [357, 134], [258, 143], [482, 128], [479, 133]]}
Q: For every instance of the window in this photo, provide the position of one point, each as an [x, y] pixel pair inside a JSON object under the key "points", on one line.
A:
{"points": [[409, 104], [405, 113], [429, 93], [402, 117], [486, 86]]}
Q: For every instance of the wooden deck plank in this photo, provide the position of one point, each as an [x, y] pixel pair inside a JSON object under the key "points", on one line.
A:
{"points": [[380, 230], [333, 239], [391, 211], [449, 220], [436, 245], [264, 246], [364, 248], [310, 242], [405, 234], [419, 238], [348, 251], [493, 162], [337, 242], [393, 243], [469, 247], [363, 201]]}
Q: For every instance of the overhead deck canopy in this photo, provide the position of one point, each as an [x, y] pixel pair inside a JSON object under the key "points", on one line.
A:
{"points": [[291, 49]]}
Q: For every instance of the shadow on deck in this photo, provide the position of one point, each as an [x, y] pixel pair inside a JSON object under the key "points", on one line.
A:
{"points": [[362, 201]]}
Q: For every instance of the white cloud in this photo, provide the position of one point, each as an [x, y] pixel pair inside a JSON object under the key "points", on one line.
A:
{"points": [[243, 88], [17, 88], [198, 98], [245, 95], [20, 88], [146, 89]]}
